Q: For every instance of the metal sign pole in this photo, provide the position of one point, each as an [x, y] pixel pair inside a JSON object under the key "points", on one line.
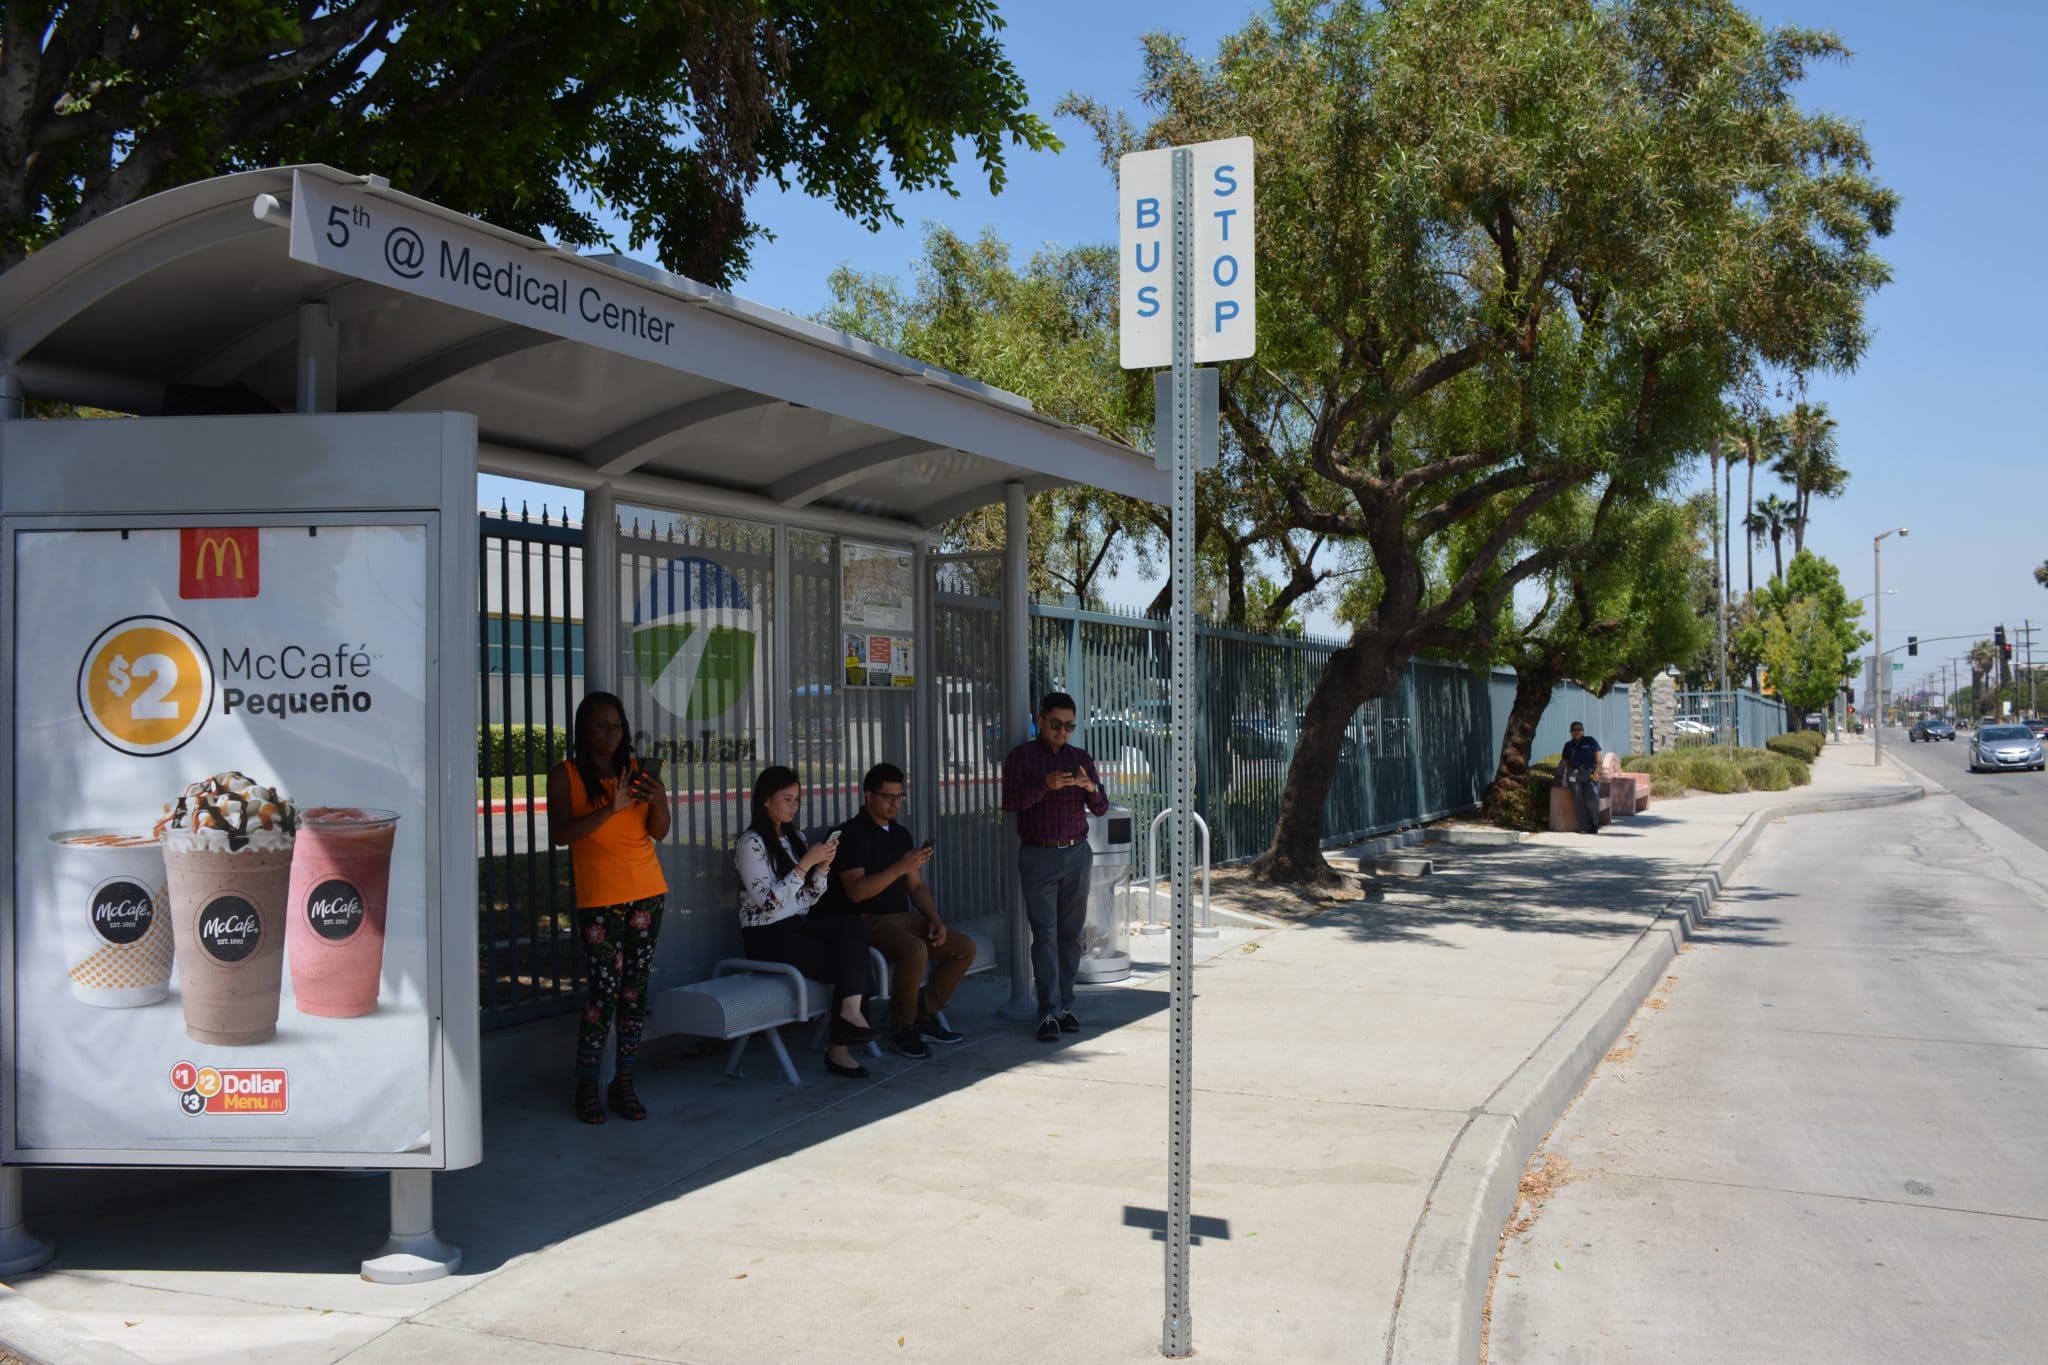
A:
{"points": [[1177, 1333]]}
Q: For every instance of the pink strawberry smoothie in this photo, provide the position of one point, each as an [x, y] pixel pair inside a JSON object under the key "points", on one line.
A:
{"points": [[334, 932]]}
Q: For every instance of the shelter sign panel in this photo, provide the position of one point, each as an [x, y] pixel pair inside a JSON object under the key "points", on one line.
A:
{"points": [[877, 614], [220, 876]]}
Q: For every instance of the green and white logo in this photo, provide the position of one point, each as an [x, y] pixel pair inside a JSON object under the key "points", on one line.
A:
{"points": [[694, 639]]}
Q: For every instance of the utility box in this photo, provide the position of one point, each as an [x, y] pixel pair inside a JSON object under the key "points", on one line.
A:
{"points": [[1106, 935]]}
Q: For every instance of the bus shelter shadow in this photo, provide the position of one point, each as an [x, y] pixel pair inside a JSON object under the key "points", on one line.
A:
{"points": [[546, 1177], [1541, 891]]}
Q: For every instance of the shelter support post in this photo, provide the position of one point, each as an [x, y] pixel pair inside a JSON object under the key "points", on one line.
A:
{"points": [[413, 1253], [319, 345], [1023, 1002], [600, 588], [20, 1249]]}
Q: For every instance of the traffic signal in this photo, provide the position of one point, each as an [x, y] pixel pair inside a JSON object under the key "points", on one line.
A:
{"points": [[1850, 692], [1912, 644], [1998, 636]]}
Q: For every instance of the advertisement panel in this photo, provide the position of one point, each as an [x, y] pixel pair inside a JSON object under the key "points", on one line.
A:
{"points": [[877, 612], [221, 931]]}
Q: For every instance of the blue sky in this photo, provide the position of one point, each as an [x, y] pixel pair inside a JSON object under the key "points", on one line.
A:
{"points": [[1937, 427]]}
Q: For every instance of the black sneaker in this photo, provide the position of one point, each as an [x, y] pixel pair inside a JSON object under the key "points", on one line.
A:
{"points": [[912, 1046], [932, 1031], [1049, 1029], [1068, 1023]]}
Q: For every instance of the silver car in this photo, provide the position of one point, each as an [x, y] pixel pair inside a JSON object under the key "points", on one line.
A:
{"points": [[2001, 747]]}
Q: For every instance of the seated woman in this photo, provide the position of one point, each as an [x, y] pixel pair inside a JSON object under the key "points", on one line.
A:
{"points": [[780, 880]]}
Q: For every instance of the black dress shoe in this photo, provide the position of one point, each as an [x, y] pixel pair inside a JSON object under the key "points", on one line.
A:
{"points": [[1049, 1029], [856, 1072], [1068, 1023]]}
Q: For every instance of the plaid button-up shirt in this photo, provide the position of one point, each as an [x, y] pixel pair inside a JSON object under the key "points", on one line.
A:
{"points": [[1043, 816]]}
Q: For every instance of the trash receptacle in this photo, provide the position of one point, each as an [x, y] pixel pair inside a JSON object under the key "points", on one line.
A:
{"points": [[1106, 936]]}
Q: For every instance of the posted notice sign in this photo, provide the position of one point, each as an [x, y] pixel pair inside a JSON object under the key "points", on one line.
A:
{"points": [[1222, 270], [220, 879]]}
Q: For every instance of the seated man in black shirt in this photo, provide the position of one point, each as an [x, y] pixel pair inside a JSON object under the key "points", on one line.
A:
{"points": [[878, 871]]}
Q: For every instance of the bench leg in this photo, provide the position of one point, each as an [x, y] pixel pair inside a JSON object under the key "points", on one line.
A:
{"points": [[782, 1056], [732, 1058]]}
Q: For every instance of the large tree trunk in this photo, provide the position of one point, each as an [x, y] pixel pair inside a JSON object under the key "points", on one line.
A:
{"points": [[1534, 687], [1778, 550], [1352, 677]]}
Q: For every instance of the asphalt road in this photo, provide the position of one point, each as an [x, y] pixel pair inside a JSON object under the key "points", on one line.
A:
{"points": [[1825, 1136], [2016, 800]]}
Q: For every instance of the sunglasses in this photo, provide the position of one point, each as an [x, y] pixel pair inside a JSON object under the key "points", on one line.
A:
{"points": [[1060, 726]]}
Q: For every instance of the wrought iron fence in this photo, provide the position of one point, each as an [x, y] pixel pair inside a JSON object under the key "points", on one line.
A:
{"points": [[529, 673], [1731, 717]]}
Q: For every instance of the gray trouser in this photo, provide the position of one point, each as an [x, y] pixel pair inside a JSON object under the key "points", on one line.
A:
{"points": [[1056, 904], [1586, 800]]}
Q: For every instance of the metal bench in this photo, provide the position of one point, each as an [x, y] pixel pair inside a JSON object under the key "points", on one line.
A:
{"points": [[744, 998], [984, 960]]}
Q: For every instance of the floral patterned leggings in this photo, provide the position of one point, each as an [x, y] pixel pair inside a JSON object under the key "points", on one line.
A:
{"points": [[619, 940]]}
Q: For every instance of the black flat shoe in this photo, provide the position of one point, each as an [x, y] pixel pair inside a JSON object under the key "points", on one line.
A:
{"points": [[847, 1035], [856, 1072]]}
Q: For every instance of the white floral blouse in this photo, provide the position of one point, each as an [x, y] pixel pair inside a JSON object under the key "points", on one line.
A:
{"points": [[765, 897]]}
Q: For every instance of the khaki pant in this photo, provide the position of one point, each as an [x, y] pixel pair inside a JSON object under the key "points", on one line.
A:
{"points": [[900, 938]]}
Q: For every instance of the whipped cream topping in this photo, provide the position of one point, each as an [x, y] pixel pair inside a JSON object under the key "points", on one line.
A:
{"points": [[229, 811]]}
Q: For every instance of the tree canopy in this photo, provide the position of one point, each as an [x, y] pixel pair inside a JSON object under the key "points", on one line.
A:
{"points": [[1508, 249], [533, 114]]}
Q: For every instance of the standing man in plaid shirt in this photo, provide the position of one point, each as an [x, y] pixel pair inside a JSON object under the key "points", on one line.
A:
{"points": [[1052, 787]]}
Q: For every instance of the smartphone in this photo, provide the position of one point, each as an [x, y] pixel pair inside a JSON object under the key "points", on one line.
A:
{"points": [[832, 835], [926, 846]]}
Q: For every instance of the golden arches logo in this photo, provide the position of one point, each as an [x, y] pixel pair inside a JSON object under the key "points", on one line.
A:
{"points": [[216, 548]]}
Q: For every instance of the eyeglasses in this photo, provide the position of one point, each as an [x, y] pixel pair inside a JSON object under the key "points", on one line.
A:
{"points": [[890, 798], [1060, 727]]}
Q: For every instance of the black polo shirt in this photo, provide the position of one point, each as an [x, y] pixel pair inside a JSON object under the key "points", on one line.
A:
{"points": [[865, 844]]}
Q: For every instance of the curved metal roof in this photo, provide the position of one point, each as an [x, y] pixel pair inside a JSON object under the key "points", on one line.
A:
{"points": [[580, 369]]}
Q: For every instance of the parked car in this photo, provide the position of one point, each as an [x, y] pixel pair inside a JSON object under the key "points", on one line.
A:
{"points": [[2038, 725], [2006, 747], [1931, 728], [1691, 725]]}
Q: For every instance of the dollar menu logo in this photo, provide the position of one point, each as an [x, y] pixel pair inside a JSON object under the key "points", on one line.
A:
{"points": [[145, 686]]}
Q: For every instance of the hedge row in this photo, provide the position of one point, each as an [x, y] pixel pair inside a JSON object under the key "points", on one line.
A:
{"points": [[1720, 768], [1800, 744], [518, 750]]}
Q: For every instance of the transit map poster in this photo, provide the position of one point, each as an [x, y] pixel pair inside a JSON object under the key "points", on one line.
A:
{"points": [[220, 881]]}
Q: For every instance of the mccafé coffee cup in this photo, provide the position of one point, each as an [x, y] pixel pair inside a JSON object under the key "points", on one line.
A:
{"points": [[117, 925], [227, 848]]}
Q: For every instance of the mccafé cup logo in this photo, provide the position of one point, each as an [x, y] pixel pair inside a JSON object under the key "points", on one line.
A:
{"points": [[230, 929], [145, 686], [335, 910], [122, 911]]}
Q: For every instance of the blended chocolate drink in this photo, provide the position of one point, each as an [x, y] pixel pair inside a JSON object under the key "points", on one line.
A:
{"points": [[228, 855], [117, 925], [341, 874]]}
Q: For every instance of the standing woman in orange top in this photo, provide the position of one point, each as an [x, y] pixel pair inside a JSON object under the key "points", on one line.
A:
{"points": [[611, 813]]}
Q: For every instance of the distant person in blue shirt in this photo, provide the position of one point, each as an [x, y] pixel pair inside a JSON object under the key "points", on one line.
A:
{"points": [[1581, 758]]}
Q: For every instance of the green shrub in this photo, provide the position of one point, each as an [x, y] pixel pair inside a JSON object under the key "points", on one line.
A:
{"points": [[1712, 772], [1639, 763], [1765, 772], [1798, 770], [1804, 745], [518, 750], [1666, 786]]}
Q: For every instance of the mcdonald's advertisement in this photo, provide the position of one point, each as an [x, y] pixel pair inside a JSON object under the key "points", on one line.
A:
{"points": [[220, 879]]}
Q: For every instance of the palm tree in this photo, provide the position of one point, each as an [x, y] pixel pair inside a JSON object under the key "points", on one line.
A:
{"points": [[1771, 519], [1762, 441], [1808, 463], [1983, 658]]}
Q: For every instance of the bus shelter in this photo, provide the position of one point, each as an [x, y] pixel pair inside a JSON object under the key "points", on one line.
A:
{"points": [[754, 568]]}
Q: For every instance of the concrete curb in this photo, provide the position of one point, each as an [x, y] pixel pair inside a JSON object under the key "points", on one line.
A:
{"points": [[40, 1337], [1449, 1267]]}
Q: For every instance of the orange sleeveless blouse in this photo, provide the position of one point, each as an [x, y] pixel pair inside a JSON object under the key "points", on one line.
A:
{"points": [[617, 863]]}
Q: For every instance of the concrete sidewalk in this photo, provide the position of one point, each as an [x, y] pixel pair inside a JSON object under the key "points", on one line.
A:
{"points": [[1364, 1082]]}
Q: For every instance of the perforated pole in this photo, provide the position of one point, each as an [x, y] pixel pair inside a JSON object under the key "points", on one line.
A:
{"points": [[1178, 1332]]}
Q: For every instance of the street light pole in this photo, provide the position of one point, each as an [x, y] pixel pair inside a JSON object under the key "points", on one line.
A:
{"points": [[1880, 674]]}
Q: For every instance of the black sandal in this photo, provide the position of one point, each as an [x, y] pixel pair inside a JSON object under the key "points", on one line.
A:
{"points": [[587, 1107], [624, 1102]]}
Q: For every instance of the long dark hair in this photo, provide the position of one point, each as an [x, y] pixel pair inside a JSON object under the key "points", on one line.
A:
{"points": [[579, 748], [771, 781]]}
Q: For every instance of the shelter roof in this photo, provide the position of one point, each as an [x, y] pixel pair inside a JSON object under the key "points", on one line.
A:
{"points": [[580, 369]]}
